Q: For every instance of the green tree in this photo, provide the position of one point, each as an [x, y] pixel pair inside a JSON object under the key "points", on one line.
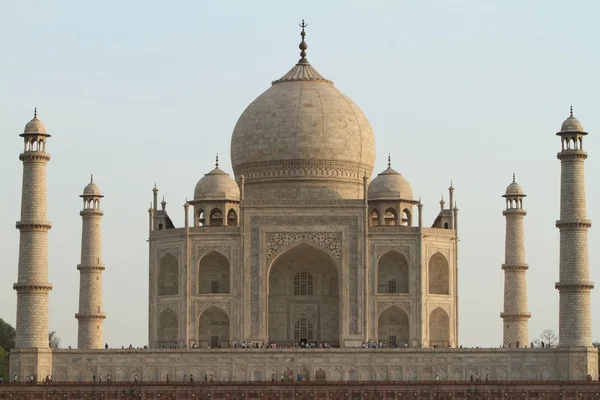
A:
{"points": [[7, 342], [7, 336], [53, 340]]}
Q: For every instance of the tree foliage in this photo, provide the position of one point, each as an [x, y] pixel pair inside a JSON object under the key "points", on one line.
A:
{"points": [[53, 340], [7, 336]]}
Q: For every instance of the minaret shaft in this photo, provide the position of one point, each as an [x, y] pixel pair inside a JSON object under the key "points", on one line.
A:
{"points": [[32, 286], [515, 315], [91, 314], [575, 322]]}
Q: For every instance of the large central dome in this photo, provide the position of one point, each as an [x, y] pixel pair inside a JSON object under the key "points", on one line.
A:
{"points": [[303, 139]]}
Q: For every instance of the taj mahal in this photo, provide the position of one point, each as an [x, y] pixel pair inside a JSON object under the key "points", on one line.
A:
{"points": [[302, 257]]}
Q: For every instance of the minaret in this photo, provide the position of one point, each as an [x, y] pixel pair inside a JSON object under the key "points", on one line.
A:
{"points": [[574, 286], [515, 315], [32, 285], [91, 315]]}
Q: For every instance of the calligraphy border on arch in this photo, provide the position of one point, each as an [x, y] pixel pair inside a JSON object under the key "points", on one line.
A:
{"points": [[256, 222], [222, 305]]}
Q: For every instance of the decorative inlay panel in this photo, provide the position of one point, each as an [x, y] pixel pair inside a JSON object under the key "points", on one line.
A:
{"points": [[432, 250], [444, 306], [403, 305], [255, 271], [225, 250], [162, 306], [223, 305], [172, 250], [330, 241], [381, 250]]}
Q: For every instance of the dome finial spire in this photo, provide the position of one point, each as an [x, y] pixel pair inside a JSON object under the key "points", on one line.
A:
{"points": [[514, 177], [571, 110], [34, 112], [303, 46], [389, 160], [217, 161], [91, 178]]}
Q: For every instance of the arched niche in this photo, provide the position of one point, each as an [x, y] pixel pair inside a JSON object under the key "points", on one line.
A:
{"points": [[168, 275], [393, 327], [392, 273], [439, 328], [303, 297], [213, 273], [213, 328], [168, 328], [216, 217], [232, 218], [439, 274], [374, 218], [406, 217], [390, 217]]}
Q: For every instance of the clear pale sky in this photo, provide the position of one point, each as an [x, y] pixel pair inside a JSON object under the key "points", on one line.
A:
{"points": [[137, 92]]}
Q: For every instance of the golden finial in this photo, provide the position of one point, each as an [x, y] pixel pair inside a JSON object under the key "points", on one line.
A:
{"points": [[389, 160], [91, 178], [513, 177], [571, 110], [217, 161], [34, 112], [303, 46]]}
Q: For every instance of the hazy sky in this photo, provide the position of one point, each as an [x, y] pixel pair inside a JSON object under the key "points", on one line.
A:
{"points": [[137, 92]]}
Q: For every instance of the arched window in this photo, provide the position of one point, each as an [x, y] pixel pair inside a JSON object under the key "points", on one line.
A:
{"points": [[214, 273], [213, 328], [160, 227], [439, 275], [303, 284], [391, 217], [374, 220], [320, 375], [393, 327], [201, 220], [406, 218], [392, 273], [439, 328], [216, 217], [232, 218], [303, 330], [168, 275], [168, 328]]}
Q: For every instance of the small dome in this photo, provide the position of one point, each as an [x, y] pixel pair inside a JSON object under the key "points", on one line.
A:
{"points": [[390, 185], [514, 189], [35, 126], [571, 124], [217, 185], [92, 189]]}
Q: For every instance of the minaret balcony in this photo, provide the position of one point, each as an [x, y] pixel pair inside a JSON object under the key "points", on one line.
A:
{"points": [[574, 286], [574, 224], [32, 287], [95, 316], [34, 156], [97, 267], [33, 225], [572, 155]]}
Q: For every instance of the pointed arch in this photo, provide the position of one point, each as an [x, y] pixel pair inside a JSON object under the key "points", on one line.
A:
{"points": [[214, 273], [168, 275], [201, 218], [439, 328], [393, 326], [392, 273], [406, 217], [439, 274], [213, 328], [216, 217], [232, 219], [320, 375], [390, 216], [374, 218], [304, 316], [168, 328]]}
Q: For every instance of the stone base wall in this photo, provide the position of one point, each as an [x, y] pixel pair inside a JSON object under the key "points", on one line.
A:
{"points": [[305, 390], [241, 365]]}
